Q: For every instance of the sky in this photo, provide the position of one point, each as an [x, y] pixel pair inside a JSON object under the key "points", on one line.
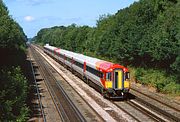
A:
{"points": [[33, 15]]}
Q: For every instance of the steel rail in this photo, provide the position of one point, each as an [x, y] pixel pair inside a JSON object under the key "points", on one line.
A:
{"points": [[37, 90], [126, 111], [146, 112], [176, 109], [50, 89], [173, 117], [78, 115], [70, 85]]}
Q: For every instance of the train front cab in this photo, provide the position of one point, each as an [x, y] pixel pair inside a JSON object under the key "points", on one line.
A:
{"points": [[117, 83]]}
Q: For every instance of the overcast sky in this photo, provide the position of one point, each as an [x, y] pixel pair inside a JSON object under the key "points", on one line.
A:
{"points": [[34, 15]]}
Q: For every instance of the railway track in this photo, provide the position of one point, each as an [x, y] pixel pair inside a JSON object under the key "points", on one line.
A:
{"points": [[65, 107], [155, 104], [33, 67], [166, 101], [140, 112], [146, 111]]}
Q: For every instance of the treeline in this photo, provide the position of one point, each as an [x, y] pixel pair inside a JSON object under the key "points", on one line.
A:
{"points": [[144, 35], [13, 84]]}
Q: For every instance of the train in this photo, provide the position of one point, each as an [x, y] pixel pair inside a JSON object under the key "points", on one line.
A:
{"points": [[112, 80]]}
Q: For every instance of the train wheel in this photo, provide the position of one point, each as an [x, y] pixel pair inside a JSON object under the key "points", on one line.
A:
{"points": [[87, 80], [103, 92], [72, 71], [126, 95]]}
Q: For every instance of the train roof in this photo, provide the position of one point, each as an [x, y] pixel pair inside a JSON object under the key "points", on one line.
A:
{"points": [[90, 61]]}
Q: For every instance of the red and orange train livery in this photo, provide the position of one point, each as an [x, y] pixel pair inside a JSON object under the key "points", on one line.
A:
{"points": [[111, 79]]}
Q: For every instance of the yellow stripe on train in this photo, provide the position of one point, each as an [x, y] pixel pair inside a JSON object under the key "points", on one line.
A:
{"points": [[120, 78]]}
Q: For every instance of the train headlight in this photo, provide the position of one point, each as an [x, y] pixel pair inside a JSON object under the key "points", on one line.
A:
{"points": [[108, 84], [126, 84]]}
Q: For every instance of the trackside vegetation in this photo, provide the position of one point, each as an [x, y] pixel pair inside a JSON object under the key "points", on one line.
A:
{"points": [[144, 36], [13, 83]]}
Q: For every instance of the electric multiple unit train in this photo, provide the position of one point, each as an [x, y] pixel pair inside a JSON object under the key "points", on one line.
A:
{"points": [[112, 80]]}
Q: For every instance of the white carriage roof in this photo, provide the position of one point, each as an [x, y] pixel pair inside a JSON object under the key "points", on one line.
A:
{"points": [[77, 56]]}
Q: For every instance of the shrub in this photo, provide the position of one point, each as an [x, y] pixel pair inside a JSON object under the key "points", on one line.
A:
{"points": [[158, 79], [172, 88], [13, 94]]}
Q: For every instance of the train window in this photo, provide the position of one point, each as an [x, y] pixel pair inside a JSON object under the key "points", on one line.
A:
{"points": [[69, 59], [79, 64], [100, 74], [61, 56], [108, 76], [127, 75], [94, 72]]}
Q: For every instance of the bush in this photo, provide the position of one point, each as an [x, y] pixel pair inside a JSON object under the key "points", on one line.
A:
{"points": [[172, 88], [158, 79], [138, 74], [13, 94]]}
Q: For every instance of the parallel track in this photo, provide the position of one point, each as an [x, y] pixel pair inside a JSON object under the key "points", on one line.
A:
{"points": [[155, 113], [38, 93], [157, 100], [158, 109], [151, 115], [145, 111], [126, 111], [66, 109]]}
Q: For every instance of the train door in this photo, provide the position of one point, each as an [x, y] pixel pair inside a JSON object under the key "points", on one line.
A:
{"points": [[118, 79]]}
